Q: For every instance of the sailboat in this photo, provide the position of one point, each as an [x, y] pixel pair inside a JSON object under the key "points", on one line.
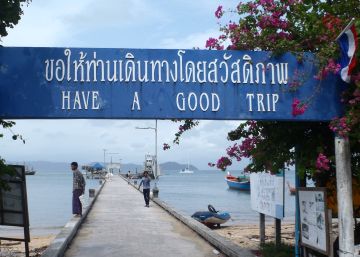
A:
{"points": [[186, 170], [29, 171]]}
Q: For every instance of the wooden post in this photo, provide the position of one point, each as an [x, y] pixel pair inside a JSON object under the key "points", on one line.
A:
{"points": [[277, 232], [344, 197], [262, 228], [331, 241]]}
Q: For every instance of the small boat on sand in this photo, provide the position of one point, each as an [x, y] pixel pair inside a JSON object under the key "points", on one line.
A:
{"points": [[239, 183], [212, 217]]}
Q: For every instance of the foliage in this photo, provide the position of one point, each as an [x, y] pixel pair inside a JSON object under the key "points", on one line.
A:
{"points": [[294, 26], [10, 14], [270, 250], [5, 171], [183, 127]]}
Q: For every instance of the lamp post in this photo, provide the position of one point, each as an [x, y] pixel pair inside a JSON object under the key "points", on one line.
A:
{"points": [[120, 165], [111, 160], [104, 157], [155, 129]]}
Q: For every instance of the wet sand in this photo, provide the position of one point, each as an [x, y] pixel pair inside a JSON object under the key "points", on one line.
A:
{"points": [[37, 246], [248, 236]]}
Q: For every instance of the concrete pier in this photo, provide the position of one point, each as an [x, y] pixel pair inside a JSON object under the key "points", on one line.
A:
{"points": [[119, 225]]}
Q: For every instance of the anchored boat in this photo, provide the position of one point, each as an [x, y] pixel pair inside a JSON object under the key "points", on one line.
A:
{"points": [[239, 183], [29, 171]]}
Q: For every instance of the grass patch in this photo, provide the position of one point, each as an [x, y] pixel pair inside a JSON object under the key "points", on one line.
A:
{"points": [[270, 250]]}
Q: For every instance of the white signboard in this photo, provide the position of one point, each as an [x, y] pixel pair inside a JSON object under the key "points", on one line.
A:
{"points": [[267, 194], [313, 219]]}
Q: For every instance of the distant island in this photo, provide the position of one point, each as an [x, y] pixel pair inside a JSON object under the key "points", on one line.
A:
{"points": [[63, 166]]}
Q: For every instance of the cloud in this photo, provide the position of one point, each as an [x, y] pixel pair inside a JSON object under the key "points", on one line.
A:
{"points": [[196, 40], [116, 23]]}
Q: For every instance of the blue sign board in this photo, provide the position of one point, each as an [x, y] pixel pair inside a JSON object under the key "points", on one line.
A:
{"points": [[64, 83]]}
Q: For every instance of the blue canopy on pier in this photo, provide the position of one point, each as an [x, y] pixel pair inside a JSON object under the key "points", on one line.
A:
{"points": [[97, 166]]}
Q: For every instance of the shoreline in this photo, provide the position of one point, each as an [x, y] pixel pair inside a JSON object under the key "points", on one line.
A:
{"points": [[37, 246], [244, 235], [248, 235]]}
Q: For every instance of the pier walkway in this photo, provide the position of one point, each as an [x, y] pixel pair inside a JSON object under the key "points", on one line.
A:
{"points": [[119, 225]]}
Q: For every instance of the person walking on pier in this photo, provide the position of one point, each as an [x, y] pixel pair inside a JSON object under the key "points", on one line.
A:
{"points": [[78, 190], [145, 182], [128, 175]]}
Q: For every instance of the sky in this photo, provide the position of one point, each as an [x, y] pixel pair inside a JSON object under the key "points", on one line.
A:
{"points": [[145, 24]]}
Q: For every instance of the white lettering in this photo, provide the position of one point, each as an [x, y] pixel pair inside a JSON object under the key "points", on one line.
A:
{"points": [[213, 98], [182, 107], [65, 97], [60, 70], [275, 99], [204, 109], [136, 101], [260, 104], [250, 97], [77, 101], [95, 103], [268, 102], [192, 108], [85, 99], [192, 101]]}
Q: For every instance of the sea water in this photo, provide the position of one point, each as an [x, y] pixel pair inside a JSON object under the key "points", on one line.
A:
{"points": [[49, 195], [193, 192]]}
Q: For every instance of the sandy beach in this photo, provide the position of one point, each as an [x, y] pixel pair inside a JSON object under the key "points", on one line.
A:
{"points": [[37, 246], [247, 236]]}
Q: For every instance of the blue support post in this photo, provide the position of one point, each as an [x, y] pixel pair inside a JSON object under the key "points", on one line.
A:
{"points": [[297, 216], [297, 208]]}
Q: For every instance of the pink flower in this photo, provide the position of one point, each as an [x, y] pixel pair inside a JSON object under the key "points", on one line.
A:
{"points": [[232, 26], [247, 145], [331, 67], [223, 163], [234, 152], [166, 146], [322, 162], [340, 127], [211, 43], [211, 164], [219, 12], [298, 108]]}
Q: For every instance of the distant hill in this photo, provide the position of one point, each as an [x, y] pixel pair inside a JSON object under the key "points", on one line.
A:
{"points": [[45, 165], [132, 167], [169, 166], [64, 166]]}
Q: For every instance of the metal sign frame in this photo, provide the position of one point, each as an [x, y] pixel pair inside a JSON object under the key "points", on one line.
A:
{"points": [[321, 210], [18, 179]]}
